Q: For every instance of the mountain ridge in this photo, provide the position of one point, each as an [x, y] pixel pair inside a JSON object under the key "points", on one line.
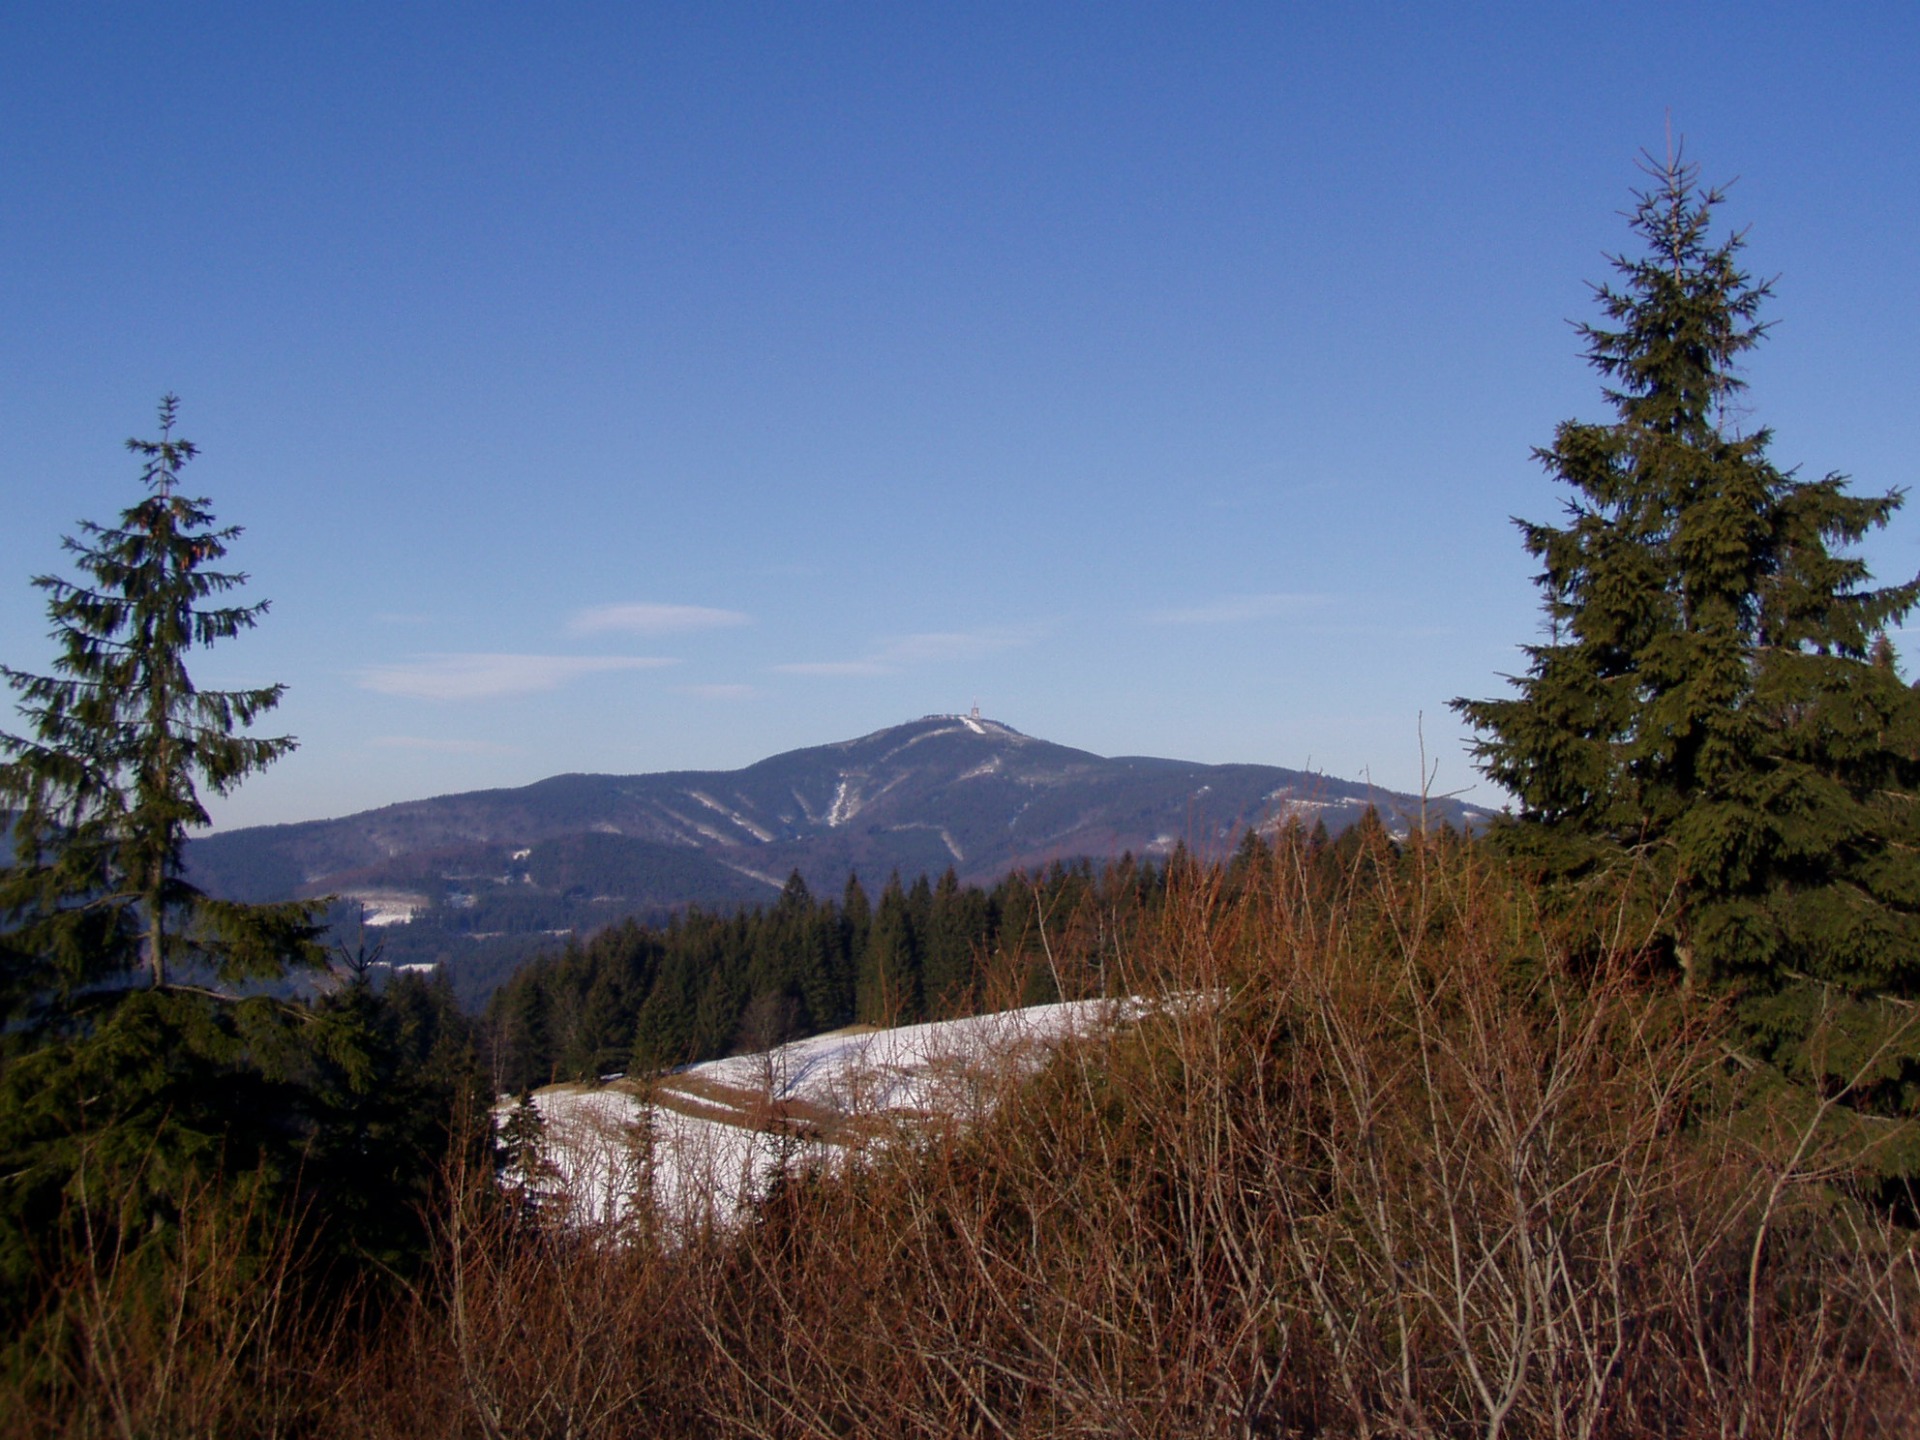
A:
{"points": [[574, 851]]}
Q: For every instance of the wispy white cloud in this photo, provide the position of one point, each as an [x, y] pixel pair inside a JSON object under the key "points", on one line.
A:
{"points": [[483, 677], [927, 648], [441, 746], [720, 692], [1237, 609], [648, 618]]}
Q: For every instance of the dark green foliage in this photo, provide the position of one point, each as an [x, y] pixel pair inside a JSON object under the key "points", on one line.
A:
{"points": [[149, 1088], [703, 985], [522, 1155], [889, 987], [107, 782], [153, 1096], [956, 920], [125, 1104], [337, 1115], [382, 1085], [1715, 707]]}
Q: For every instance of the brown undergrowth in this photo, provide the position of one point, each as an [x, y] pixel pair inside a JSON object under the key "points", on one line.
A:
{"points": [[217, 1325], [1389, 1157]]}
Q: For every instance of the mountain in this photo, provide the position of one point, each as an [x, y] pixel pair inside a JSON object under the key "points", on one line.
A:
{"points": [[576, 851]]}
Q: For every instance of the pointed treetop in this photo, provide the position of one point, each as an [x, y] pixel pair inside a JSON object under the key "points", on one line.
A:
{"points": [[164, 457]]}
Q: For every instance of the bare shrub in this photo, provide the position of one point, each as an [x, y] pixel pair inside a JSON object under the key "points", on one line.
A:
{"points": [[208, 1327], [527, 1327], [1381, 1163], [1379, 1153]]}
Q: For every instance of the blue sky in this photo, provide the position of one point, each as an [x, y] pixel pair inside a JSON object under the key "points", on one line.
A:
{"points": [[638, 387]]}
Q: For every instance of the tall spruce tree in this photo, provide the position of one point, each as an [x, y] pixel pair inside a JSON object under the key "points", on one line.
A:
{"points": [[134, 1096], [1706, 706], [107, 781]]}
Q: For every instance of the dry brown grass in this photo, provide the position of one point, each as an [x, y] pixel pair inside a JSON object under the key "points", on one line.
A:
{"points": [[208, 1330], [1385, 1163], [1382, 1167]]}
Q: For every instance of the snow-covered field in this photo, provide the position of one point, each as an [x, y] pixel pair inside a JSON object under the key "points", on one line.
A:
{"points": [[705, 1141]]}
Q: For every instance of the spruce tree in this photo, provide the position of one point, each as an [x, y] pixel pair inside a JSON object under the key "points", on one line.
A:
{"points": [[122, 1091], [889, 978], [1714, 707], [107, 781], [953, 919]]}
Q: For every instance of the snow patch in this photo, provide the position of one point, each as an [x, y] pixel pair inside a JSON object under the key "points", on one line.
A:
{"points": [[747, 870], [1292, 807], [707, 1141], [762, 835], [914, 740], [388, 907], [699, 829], [946, 837]]}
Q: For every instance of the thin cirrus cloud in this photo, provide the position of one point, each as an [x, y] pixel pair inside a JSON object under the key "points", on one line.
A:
{"points": [[929, 648], [490, 676], [1238, 609], [648, 618]]}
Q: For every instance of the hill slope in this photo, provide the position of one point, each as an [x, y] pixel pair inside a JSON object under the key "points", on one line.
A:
{"points": [[575, 851]]}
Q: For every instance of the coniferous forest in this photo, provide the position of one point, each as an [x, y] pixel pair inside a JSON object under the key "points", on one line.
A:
{"points": [[1605, 1123], [647, 998]]}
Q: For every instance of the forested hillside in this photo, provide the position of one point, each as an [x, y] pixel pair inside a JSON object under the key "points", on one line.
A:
{"points": [[643, 998]]}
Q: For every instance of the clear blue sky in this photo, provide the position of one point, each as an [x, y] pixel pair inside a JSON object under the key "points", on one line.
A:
{"points": [[630, 387]]}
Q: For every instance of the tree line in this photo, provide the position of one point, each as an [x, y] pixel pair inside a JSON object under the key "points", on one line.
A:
{"points": [[644, 998]]}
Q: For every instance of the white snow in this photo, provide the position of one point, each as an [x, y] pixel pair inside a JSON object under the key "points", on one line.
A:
{"points": [[699, 829], [946, 837], [1294, 807], [706, 1141], [763, 876], [387, 907], [914, 740], [765, 836], [842, 809]]}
